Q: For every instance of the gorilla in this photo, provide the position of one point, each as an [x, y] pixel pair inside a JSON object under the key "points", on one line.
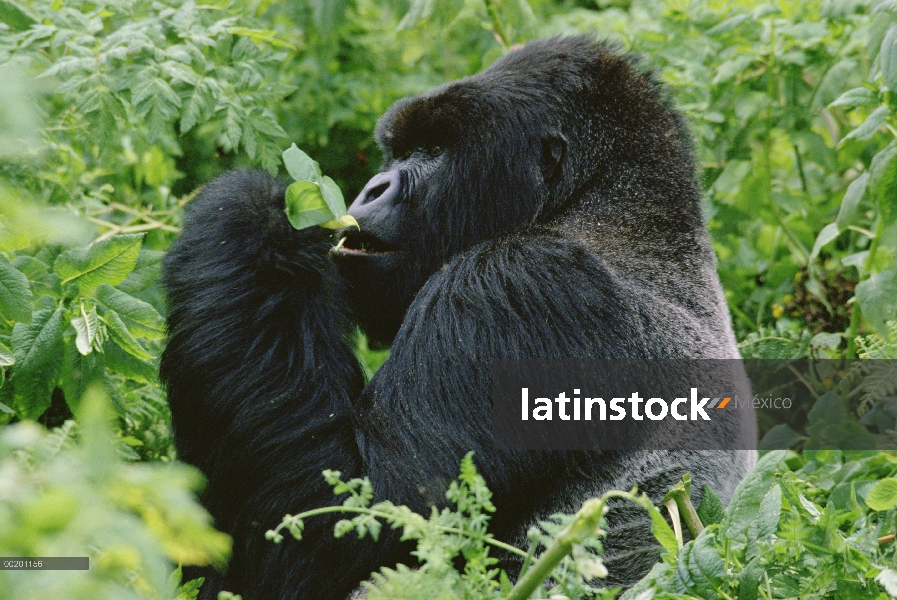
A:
{"points": [[545, 208]]}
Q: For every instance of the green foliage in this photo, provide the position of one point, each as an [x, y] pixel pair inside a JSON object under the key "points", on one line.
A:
{"points": [[564, 557], [313, 199], [798, 526], [153, 70], [77, 498]]}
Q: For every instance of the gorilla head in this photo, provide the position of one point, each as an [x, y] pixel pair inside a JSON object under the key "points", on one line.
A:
{"points": [[518, 145]]}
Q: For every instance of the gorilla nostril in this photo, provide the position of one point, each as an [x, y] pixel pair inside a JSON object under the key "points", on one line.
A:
{"points": [[377, 191]]}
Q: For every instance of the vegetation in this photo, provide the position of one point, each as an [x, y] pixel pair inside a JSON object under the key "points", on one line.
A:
{"points": [[112, 113]]}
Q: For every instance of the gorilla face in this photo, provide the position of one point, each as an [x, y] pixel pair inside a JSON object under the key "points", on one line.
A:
{"points": [[460, 166]]}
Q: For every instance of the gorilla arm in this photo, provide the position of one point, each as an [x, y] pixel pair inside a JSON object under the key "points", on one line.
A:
{"points": [[260, 370]]}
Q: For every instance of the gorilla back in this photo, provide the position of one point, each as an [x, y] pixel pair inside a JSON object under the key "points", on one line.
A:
{"points": [[546, 208]]}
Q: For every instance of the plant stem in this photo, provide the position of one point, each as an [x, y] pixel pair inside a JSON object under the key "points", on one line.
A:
{"points": [[498, 28], [866, 267], [390, 518], [584, 525]]}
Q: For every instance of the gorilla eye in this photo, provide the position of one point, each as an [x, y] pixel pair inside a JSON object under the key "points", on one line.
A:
{"points": [[435, 150], [407, 154]]}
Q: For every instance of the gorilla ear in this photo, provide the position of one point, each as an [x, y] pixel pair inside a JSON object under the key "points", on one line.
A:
{"points": [[554, 146]]}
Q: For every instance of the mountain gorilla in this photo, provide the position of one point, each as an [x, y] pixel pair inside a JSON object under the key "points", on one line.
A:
{"points": [[546, 207]]}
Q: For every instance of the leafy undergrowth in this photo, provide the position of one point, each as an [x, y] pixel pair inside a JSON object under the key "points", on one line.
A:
{"points": [[70, 492], [815, 525]]}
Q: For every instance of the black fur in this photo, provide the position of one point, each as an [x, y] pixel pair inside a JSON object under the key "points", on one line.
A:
{"points": [[547, 207]]}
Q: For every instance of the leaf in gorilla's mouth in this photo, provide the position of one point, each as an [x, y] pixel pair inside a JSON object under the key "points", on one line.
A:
{"points": [[361, 242]]}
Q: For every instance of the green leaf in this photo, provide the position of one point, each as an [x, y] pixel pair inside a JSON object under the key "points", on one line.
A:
{"points": [[333, 196], [38, 351], [119, 334], [86, 328], [779, 437], [887, 58], [883, 495], [711, 509], [828, 233], [80, 371], [6, 356], [883, 182], [108, 261], [870, 125], [769, 513], [728, 24], [765, 10], [660, 529], [314, 199], [15, 17], [300, 165], [848, 212], [15, 293], [139, 317], [876, 299], [748, 496], [856, 97], [306, 205], [700, 569], [829, 408], [729, 69], [145, 274], [749, 580], [121, 362]]}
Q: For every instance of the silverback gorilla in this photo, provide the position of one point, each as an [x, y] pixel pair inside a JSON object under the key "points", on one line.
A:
{"points": [[545, 208]]}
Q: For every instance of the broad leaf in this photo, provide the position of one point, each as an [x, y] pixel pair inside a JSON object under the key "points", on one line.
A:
{"points": [[883, 495], [333, 196], [300, 165], [79, 371], [15, 293], [850, 203], [15, 17], [6, 356], [700, 570], [145, 274], [870, 125], [108, 261], [876, 298], [121, 362], [314, 199], [38, 352], [828, 233], [769, 513], [139, 317], [711, 509], [856, 97], [119, 334], [887, 58], [86, 328], [883, 182], [306, 205], [744, 507]]}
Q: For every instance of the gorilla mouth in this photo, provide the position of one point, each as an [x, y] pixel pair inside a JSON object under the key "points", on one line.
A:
{"points": [[354, 242]]}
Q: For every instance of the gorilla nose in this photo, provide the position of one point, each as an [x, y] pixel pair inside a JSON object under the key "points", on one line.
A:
{"points": [[382, 189]]}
